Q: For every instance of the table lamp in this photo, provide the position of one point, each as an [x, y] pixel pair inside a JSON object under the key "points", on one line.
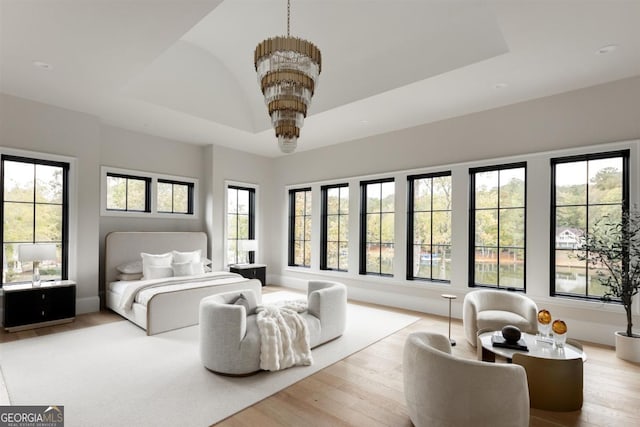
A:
{"points": [[248, 246], [36, 252]]}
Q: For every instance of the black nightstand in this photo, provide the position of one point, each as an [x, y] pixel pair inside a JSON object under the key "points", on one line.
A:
{"points": [[26, 306], [251, 271]]}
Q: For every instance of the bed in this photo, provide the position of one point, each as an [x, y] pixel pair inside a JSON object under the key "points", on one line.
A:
{"points": [[163, 304]]}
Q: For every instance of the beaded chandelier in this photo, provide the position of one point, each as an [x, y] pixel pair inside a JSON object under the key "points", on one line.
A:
{"points": [[288, 70]]}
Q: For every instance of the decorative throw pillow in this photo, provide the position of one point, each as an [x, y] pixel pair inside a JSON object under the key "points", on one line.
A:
{"points": [[198, 268], [183, 268], [153, 272], [131, 276], [156, 260], [187, 268], [131, 267], [248, 308], [206, 261], [193, 256]]}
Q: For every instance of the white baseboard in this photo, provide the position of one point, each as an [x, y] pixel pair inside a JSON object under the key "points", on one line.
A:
{"points": [[87, 305]]}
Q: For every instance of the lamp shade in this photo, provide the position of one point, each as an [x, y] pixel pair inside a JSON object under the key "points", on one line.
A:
{"points": [[248, 245], [36, 252]]}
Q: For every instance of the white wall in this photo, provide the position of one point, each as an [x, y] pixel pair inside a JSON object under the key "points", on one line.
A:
{"points": [[580, 119], [27, 125], [239, 167]]}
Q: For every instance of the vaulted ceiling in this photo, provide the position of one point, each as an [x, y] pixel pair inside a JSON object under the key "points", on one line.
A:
{"points": [[183, 69]]}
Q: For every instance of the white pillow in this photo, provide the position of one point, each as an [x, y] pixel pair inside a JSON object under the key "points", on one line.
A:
{"points": [[130, 276], [198, 267], [193, 256], [154, 272], [206, 261], [182, 268], [156, 260], [187, 268], [131, 267]]}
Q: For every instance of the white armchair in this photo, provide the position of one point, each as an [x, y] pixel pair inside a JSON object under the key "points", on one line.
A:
{"points": [[444, 390], [488, 309]]}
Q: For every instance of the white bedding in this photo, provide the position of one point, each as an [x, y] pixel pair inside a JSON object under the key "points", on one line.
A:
{"points": [[159, 309], [141, 291]]}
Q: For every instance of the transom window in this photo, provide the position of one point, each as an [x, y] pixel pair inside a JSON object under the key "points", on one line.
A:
{"points": [[335, 227], [175, 197], [300, 204], [140, 194], [584, 189], [429, 227], [497, 226], [377, 222], [240, 223], [128, 193], [35, 209]]}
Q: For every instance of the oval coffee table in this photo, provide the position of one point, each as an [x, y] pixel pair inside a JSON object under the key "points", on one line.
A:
{"points": [[554, 374], [542, 349]]}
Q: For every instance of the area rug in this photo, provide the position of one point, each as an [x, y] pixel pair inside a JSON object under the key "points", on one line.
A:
{"points": [[115, 375]]}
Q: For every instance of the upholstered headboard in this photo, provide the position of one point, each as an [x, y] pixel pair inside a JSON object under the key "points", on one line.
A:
{"points": [[125, 246]]}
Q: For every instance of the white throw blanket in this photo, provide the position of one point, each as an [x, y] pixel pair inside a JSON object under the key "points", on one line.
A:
{"points": [[284, 336]]}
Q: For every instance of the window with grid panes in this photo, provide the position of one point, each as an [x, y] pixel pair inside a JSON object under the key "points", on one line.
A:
{"points": [[335, 227], [429, 227], [584, 189], [497, 222], [35, 205], [377, 222], [300, 204]]}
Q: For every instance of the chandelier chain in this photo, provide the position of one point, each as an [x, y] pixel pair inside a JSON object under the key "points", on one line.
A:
{"points": [[288, 16]]}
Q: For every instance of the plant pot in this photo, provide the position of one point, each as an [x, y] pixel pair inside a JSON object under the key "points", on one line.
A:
{"points": [[628, 348]]}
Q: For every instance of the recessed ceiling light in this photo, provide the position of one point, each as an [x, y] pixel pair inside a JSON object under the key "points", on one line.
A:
{"points": [[500, 85], [42, 65], [607, 49]]}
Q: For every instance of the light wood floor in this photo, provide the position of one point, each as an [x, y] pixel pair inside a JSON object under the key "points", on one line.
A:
{"points": [[365, 389]]}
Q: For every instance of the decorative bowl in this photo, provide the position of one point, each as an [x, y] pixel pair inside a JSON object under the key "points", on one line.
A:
{"points": [[511, 334]]}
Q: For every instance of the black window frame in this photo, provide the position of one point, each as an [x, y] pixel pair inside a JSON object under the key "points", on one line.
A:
{"points": [[190, 188], [251, 220], [147, 190], [625, 155], [410, 223], [472, 217], [292, 226], [64, 273], [324, 226], [363, 228]]}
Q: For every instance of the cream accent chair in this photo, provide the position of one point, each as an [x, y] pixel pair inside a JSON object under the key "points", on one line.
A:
{"points": [[492, 310], [444, 390]]}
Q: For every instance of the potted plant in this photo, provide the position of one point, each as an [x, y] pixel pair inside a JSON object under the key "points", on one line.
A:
{"points": [[613, 248]]}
